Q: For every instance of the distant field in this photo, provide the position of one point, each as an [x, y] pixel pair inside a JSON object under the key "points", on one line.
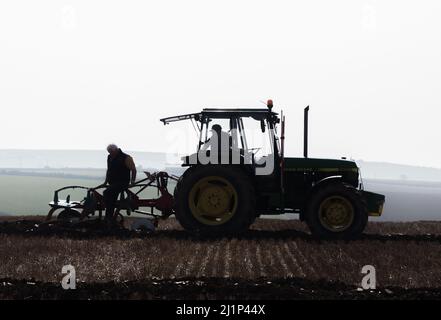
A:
{"points": [[408, 200], [26, 195], [88, 173], [27, 191]]}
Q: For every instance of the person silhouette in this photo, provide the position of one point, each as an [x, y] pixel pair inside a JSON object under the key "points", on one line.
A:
{"points": [[219, 142], [121, 171]]}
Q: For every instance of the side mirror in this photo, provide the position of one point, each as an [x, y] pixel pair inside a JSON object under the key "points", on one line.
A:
{"points": [[262, 125]]}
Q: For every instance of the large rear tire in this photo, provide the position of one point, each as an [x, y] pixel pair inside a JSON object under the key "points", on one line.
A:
{"points": [[336, 211], [215, 200]]}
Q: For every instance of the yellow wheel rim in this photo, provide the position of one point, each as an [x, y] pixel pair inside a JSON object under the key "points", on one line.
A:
{"points": [[213, 200], [336, 213]]}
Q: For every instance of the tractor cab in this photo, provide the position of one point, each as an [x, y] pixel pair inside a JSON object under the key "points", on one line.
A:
{"points": [[234, 137]]}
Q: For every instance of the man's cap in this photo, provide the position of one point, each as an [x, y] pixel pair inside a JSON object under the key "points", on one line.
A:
{"points": [[112, 146]]}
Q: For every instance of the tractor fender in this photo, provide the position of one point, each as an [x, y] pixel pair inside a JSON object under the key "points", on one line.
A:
{"points": [[326, 181]]}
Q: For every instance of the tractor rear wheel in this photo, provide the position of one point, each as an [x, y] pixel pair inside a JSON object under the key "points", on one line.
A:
{"points": [[215, 200], [336, 211]]}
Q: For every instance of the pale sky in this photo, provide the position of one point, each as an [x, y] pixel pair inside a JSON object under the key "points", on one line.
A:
{"points": [[81, 74]]}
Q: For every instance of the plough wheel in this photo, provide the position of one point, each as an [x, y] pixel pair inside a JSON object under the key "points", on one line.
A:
{"points": [[68, 214]]}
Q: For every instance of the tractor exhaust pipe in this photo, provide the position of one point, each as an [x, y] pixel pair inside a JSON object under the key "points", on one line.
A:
{"points": [[305, 132]]}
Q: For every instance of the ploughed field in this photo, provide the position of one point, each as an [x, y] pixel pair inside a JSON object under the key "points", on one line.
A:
{"points": [[276, 259]]}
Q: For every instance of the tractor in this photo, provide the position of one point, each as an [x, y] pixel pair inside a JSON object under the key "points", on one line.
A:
{"points": [[223, 192], [236, 176]]}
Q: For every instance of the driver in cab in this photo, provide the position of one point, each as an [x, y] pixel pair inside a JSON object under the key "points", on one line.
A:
{"points": [[219, 142]]}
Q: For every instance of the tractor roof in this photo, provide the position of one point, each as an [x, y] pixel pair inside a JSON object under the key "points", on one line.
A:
{"points": [[215, 113]]}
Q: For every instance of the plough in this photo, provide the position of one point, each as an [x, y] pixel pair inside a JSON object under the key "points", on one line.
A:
{"points": [[129, 201]]}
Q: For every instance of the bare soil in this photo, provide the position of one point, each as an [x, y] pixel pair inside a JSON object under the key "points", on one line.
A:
{"points": [[275, 259]]}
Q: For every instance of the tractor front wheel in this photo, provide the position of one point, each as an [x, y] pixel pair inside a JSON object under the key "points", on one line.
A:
{"points": [[336, 211]]}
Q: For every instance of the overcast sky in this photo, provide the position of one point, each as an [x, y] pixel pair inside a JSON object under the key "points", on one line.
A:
{"points": [[81, 74]]}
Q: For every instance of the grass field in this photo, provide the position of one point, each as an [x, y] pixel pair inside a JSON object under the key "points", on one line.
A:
{"points": [[405, 255], [26, 195]]}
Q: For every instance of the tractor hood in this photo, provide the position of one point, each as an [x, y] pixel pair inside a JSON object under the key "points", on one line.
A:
{"points": [[320, 165]]}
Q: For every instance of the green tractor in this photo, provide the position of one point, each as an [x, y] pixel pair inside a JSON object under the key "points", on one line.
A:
{"points": [[224, 189]]}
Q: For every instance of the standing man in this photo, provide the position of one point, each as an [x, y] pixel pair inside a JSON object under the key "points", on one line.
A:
{"points": [[121, 171]]}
